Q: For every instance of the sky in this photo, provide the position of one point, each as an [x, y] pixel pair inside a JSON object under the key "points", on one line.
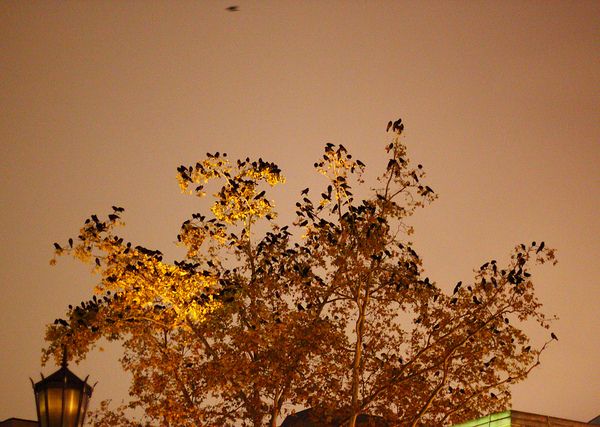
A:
{"points": [[101, 101]]}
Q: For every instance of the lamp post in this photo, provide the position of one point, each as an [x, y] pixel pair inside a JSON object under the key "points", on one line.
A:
{"points": [[62, 398]]}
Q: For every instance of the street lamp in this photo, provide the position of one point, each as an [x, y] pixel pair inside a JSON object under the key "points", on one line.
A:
{"points": [[62, 398]]}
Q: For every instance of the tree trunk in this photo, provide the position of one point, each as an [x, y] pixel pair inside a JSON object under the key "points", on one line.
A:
{"points": [[274, 413], [352, 422], [360, 325]]}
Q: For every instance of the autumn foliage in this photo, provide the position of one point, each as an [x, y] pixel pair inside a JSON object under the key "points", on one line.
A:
{"points": [[332, 312]]}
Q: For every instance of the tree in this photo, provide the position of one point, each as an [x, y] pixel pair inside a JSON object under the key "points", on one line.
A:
{"points": [[341, 319]]}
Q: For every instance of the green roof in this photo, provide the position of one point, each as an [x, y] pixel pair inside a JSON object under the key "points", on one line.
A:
{"points": [[512, 418], [501, 419]]}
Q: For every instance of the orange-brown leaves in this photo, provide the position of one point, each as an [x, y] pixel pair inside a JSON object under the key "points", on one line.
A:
{"points": [[335, 314]]}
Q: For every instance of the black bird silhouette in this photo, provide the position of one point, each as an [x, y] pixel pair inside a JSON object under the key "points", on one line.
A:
{"points": [[233, 9], [553, 336], [398, 126], [457, 287], [540, 248], [389, 125]]}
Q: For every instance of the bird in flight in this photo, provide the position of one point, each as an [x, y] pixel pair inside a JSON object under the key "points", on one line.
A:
{"points": [[233, 9]]}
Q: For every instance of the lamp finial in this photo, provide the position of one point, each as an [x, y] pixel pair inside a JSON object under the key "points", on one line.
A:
{"points": [[64, 358]]}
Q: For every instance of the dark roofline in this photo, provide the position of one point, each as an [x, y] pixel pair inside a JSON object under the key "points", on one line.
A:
{"points": [[18, 422], [308, 418]]}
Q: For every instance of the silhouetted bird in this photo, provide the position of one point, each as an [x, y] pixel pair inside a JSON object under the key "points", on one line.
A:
{"points": [[398, 126], [541, 247], [553, 336], [389, 125], [457, 287], [233, 9]]}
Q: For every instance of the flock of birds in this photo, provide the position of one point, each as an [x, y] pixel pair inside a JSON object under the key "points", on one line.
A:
{"points": [[396, 126]]}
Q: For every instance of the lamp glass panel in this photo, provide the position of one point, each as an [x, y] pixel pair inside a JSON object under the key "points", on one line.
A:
{"points": [[41, 402], [71, 407], [55, 407]]}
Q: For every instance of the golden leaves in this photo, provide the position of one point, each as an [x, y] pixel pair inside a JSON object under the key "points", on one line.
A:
{"points": [[239, 199]]}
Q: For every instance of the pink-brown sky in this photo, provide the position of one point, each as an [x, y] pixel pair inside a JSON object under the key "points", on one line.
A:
{"points": [[102, 100]]}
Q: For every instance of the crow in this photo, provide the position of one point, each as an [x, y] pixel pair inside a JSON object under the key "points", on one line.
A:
{"points": [[398, 126], [232, 9], [389, 125], [457, 287]]}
